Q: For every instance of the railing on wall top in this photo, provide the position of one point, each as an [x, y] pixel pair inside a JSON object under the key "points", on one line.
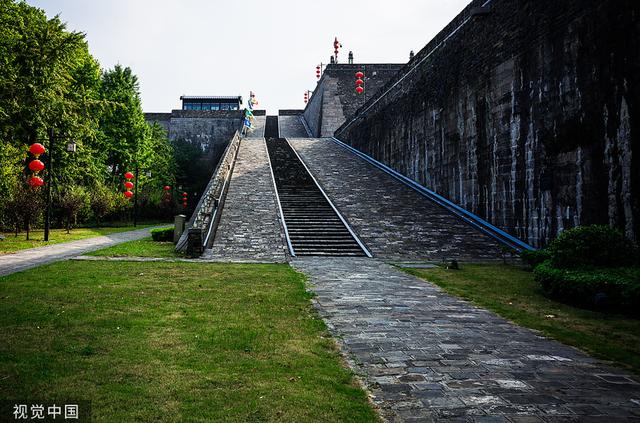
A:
{"points": [[201, 228]]}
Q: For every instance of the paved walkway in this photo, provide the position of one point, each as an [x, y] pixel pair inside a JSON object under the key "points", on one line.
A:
{"points": [[427, 356], [34, 257], [393, 220], [259, 125], [249, 225]]}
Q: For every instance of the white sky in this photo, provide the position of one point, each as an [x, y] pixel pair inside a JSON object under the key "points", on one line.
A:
{"points": [[200, 47]]}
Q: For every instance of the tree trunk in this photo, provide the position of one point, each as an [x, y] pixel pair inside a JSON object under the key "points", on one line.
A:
{"points": [[68, 224]]}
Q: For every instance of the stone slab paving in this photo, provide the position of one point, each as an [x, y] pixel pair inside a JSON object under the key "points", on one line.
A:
{"points": [[291, 126], [426, 356], [259, 123], [393, 220], [249, 225], [34, 257]]}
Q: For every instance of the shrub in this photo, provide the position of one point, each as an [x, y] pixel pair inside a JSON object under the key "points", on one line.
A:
{"points": [[606, 288], [534, 257], [162, 234], [591, 246], [102, 201], [72, 200]]}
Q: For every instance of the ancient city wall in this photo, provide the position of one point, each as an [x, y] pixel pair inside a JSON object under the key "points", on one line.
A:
{"points": [[524, 112], [210, 130], [335, 99]]}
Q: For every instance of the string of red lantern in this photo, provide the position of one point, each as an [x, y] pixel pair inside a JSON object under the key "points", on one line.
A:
{"points": [[36, 165], [184, 200], [128, 184], [359, 82]]}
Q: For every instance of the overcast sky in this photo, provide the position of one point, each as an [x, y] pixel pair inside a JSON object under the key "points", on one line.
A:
{"points": [[200, 47]]}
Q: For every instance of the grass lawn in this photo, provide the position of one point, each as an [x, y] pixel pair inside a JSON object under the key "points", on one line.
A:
{"points": [[145, 247], [11, 243], [173, 342], [512, 293]]}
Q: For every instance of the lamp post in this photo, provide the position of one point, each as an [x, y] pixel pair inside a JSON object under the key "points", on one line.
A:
{"points": [[71, 148]]}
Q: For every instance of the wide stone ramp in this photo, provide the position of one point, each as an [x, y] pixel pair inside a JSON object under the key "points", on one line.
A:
{"points": [[393, 220], [427, 356], [259, 123], [249, 228], [292, 126]]}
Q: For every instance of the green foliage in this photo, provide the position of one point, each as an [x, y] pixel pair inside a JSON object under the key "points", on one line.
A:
{"points": [[24, 208], [49, 81], [534, 257], [615, 289], [589, 266], [591, 246], [162, 234], [122, 124], [101, 201], [73, 200]]}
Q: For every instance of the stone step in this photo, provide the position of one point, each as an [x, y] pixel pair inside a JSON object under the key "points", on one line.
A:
{"points": [[314, 227]]}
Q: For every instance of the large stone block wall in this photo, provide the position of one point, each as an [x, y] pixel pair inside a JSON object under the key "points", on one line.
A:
{"points": [[210, 130], [526, 115], [335, 100]]}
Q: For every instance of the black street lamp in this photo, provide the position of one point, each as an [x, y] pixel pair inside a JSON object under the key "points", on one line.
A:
{"points": [[71, 148]]}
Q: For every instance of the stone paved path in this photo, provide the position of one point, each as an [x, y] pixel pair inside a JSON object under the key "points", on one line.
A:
{"points": [[393, 220], [33, 257], [259, 125], [427, 356], [249, 225]]}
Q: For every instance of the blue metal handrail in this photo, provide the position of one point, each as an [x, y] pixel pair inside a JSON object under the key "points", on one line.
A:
{"points": [[465, 215]]}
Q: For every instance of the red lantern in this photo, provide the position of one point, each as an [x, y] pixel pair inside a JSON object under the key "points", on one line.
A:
{"points": [[359, 89], [36, 181], [167, 188], [359, 75], [37, 149], [36, 166], [184, 204], [184, 194], [128, 175], [128, 194], [128, 185], [359, 82]]}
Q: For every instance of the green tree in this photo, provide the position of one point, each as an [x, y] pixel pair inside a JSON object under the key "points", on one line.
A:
{"points": [[122, 123]]}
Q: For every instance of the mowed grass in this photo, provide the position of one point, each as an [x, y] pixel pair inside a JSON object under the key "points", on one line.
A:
{"points": [[11, 243], [145, 247], [160, 342], [511, 292]]}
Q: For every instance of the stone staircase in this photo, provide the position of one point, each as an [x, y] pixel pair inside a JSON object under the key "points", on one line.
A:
{"points": [[312, 224]]}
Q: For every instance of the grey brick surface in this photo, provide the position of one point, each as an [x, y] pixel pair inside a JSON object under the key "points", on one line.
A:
{"points": [[291, 126], [427, 356], [258, 132], [394, 221], [249, 228]]}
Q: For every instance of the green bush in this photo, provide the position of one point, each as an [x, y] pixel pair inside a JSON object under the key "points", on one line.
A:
{"points": [[534, 257], [162, 234], [594, 246], [603, 289]]}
